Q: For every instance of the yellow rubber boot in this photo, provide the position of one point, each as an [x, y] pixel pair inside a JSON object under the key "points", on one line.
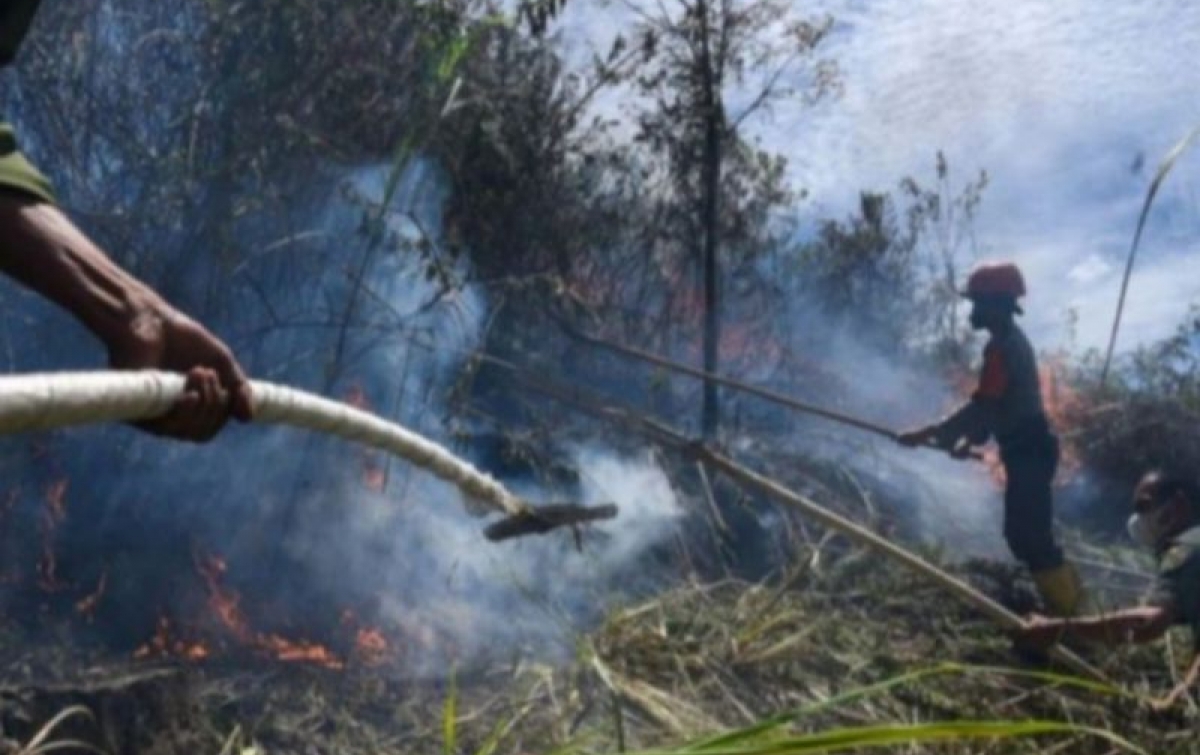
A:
{"points": [[1061, 590]]}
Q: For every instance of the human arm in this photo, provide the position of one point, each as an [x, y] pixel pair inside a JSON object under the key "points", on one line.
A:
{"points": [[1138, 625], [970, 424], [967, 426], [42, 249]]}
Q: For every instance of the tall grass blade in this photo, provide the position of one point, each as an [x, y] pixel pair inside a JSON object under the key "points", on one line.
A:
{"points": [[1163, 169], [450, 717], [38, 743], [501, 730], [840, 740], [773, 723]]}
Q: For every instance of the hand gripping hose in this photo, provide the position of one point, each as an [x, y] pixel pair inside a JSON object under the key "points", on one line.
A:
{"points": [[57, 400]]}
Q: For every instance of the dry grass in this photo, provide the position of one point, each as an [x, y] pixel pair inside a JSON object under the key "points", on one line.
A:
{"points": [[842, 639]]}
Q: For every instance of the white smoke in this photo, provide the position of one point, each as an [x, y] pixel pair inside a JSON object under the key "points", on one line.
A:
{"points": [[414, 543], [313, 529], [470, 597]]}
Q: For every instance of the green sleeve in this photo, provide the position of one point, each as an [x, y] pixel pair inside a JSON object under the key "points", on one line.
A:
{"points": [[1179, 584], [17, 173]]}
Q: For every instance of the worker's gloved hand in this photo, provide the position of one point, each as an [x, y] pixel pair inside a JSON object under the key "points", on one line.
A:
{"points": [[164, 339], [1039, 632], [915, 438]]}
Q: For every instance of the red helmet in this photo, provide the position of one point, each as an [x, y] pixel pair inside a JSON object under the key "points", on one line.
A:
{"points": [[995, 278]]}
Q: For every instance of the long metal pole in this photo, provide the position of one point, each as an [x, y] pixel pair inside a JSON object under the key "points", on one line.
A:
{"points": [[764, 393]]}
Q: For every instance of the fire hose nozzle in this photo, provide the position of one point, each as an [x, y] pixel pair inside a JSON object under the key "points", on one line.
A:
{"points": [[544, 518]]}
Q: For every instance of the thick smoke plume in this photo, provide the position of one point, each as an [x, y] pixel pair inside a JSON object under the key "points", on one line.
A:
{"points": [[316, 539]]}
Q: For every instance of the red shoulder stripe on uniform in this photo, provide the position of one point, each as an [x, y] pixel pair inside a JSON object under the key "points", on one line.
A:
{"points": [[993, 378]]}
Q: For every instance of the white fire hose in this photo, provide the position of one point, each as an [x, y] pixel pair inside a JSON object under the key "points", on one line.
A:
{"points": [[58, 400]]}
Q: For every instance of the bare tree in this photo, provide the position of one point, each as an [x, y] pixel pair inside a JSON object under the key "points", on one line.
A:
{"points": [[705, 51]]}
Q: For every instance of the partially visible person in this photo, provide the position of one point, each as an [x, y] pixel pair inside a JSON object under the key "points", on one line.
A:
{"points": [[1165, 519], [41, 248]]}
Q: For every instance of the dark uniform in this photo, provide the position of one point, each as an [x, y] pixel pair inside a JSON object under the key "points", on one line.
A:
{"points": [[16, 172], [1008, 406], [1179, 580]]}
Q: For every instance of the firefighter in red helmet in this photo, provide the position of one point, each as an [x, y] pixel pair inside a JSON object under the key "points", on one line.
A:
{"points": [[1007, 406]]}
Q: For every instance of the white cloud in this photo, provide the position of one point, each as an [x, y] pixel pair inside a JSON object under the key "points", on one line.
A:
{"points": [[1090, 270], [1055, 101]]}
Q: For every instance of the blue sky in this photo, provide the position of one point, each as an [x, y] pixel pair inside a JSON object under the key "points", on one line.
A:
{"points": [[1054, 99]]}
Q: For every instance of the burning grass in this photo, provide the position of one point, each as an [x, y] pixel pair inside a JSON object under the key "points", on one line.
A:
{"points": [[842, 643]]}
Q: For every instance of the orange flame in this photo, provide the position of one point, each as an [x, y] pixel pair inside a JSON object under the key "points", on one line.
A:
{"points": [[225, 604], [1064, 407], [88, 605], [290, 650], [371, 647], [374, 471], [164, 645]]}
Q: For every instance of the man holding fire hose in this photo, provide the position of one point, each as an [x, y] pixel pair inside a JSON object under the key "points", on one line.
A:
{"points": [[1007, 405], [44, 250]]}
